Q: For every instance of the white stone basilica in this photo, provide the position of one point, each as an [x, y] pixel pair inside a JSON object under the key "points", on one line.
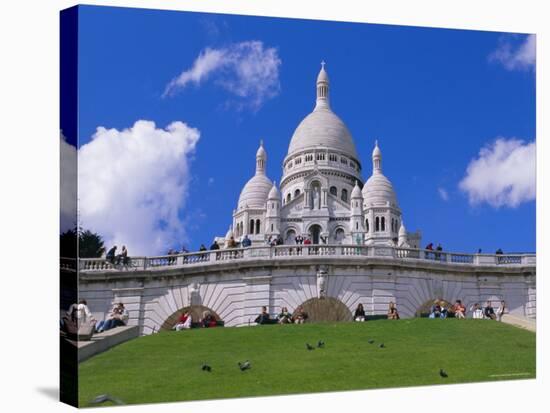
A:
{"points": [[320, 195]]}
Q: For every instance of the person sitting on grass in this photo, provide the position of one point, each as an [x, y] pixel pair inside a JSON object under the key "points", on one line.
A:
{"points": [[208, 320], [299, 316], [436, 310], [284, 317], [184, 322], [359, 314], [489, 311], [477, 312], [443, 309], [392, 312], [459, 310], [263, 317]]}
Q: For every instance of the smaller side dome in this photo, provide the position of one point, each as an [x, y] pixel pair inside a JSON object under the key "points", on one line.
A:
{"points": [[356, 193], [255, 192], [378, 191], [274, 192], [402, 230]]}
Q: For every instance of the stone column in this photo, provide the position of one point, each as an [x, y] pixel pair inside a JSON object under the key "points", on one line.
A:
{"points": [[324, 198]]}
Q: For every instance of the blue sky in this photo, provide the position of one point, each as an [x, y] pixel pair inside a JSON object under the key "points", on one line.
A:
{"points": [[432, 97]]}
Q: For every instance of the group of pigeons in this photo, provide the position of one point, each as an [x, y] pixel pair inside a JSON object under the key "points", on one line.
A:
{"points": [[243, 366], [246, 365]]}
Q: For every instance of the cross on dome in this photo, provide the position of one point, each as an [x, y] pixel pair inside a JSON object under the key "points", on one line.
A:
{"points": [[322, 88]]}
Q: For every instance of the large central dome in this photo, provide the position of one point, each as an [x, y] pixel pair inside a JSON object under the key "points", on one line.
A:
{"points": [[322, 128]]}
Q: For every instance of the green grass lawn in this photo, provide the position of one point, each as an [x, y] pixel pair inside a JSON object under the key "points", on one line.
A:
{"points": [[167, 366]]}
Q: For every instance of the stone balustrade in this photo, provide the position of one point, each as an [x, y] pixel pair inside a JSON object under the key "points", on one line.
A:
{"points": [[293, 252]]}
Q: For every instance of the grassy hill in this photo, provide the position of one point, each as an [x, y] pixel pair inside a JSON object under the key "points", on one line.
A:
{"points": [[167, 366]]}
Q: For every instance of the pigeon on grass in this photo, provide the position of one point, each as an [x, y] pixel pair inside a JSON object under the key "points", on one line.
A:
{"points": [[382, 345], [443, 373], [309, 346], [371, 341], [206, 367], [244, 366], [103, 398], [320, 344]]}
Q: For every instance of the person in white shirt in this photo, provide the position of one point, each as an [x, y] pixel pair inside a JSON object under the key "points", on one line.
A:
{"points": [[501, 310], [477, 312], [80, 313], [184, 322]]}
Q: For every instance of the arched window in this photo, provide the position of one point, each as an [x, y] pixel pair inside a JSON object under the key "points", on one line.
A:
{"points": [[367, 225], [383, 224], [271, 227], [288, 198], [339, 235], [344, 195], [257, 226], [333, 191], [251, 228], [296, 193], [377, 228], [357, 226], [290, 237]]}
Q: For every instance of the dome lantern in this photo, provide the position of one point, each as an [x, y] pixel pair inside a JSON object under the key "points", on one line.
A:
{"points": [[261, 158], [322, 88], [376, 159]]}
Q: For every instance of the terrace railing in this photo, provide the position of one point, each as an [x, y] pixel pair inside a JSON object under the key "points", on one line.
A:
{"points": [[291, 252]]}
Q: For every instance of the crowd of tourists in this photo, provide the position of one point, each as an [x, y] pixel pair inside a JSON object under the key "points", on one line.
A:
{"points": [[440, 309]]}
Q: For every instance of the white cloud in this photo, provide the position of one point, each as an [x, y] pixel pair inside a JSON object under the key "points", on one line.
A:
{"points": [[68, 188], [248, 70], [132, 185], [443, 193], [504, 174], [514, 56]]}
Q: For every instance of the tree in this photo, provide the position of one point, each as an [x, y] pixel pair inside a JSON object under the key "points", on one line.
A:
{"points": [[90, 244]]}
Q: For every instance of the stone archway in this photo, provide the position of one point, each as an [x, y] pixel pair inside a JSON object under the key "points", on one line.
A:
{"points": [[197, 312], [326, 309], [315, 231], [425, 309]]}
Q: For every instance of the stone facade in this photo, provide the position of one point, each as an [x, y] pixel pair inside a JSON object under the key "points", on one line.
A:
{"points": [[236, 288]]}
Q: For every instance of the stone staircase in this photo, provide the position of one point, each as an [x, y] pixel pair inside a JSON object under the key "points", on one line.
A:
{"points": [[101, 342]]}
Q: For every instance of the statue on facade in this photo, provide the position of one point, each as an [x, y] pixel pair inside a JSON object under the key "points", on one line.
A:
{"points": [[194, 294], [322, 283]]}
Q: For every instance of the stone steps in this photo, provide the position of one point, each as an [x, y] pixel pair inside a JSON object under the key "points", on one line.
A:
{"points": [[101, 342]]}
